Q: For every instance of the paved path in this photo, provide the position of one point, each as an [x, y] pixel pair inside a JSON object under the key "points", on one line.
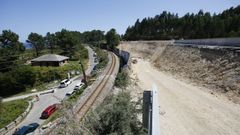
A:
{"points": [[52, 98]]}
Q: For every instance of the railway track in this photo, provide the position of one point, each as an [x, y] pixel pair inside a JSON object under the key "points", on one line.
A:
{"points": [[93, 97], [82, 111]]}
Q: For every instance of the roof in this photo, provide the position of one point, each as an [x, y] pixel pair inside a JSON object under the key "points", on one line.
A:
{"points": [[50, 57]]}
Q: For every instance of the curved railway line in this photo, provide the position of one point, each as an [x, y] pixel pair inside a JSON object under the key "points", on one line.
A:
{"points": [[93, 97], [82, 111]]}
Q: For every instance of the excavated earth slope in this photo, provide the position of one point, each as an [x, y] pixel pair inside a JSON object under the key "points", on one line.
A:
{"points": [[218, 70]]}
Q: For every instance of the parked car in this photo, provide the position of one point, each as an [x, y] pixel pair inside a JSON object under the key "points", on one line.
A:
{"points": [[70, 93], [26, 129], [48, 111], [95, 67], [78, 86], [94, 55], [95, 60], [65, 83]]}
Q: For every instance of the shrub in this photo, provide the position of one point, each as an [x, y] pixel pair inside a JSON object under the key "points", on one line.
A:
{"points": [[122, 80], [24, 75], [17, 80], [117, 115], [102, 57]]}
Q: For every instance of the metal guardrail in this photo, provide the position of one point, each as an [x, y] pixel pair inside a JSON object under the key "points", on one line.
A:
{"points": [[151, 114], [155, 123]]}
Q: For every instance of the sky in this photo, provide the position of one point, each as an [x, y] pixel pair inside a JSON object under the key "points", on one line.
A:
{"points": [[42, 16]]}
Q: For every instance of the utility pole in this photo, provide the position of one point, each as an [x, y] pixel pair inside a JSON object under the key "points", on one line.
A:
{"points": [[83, 71]]}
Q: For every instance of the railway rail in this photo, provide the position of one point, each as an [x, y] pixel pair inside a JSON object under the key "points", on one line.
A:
{"points": [[82, 111], [93, 97]]}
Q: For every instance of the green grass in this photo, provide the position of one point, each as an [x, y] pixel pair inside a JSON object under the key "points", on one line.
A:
{"points": [[74, 97], [9, 111], [122, 80], [102, 57]]}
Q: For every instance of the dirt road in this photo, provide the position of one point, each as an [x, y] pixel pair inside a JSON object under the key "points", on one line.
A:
{"points": [[186, 109]]}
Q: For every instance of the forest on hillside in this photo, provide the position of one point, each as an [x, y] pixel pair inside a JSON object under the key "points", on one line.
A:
{"points": [[190, 26]]}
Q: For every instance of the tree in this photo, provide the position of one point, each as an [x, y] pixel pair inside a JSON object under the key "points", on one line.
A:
{"points": [[83, 71], [112, 38], [10, 48], [16, 80], [50, 41], [37, 42], [201, 25], [68, 41]]}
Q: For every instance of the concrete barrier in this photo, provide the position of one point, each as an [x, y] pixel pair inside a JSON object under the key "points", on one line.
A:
{"points": [[211, 41], [14, 123]]}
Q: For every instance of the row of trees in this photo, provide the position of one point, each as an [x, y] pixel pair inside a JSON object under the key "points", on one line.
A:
{"points": [[64, 42], [96, 37], [201, 25], [68, 40]]}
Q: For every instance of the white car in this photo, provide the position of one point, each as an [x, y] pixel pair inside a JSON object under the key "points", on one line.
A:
{"points": [[65, 83], [78, 86], [94, 55], [70, 93]]}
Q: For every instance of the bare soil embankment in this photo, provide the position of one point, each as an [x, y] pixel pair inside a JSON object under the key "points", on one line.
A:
{"points": [[188, 109], [217, 70]]}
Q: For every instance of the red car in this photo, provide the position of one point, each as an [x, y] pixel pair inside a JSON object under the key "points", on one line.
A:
{"points": [[48, 111]]}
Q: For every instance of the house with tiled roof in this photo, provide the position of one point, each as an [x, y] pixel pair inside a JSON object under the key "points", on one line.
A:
{"points": [[50, 60]]}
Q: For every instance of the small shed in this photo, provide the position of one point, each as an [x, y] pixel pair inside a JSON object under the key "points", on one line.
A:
{"points": [[50, 60]]}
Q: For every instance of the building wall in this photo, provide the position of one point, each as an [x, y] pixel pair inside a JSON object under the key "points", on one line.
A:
{"points": [[49, 63]]}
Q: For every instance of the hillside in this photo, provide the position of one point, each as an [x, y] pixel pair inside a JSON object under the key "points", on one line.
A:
{"points": [[217, 70]]}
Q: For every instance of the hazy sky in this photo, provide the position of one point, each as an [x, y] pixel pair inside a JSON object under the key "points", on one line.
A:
{"points": [[41, 16]]}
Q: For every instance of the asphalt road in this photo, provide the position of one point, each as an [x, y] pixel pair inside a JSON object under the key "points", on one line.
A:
{"points": [[52, 98]]}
